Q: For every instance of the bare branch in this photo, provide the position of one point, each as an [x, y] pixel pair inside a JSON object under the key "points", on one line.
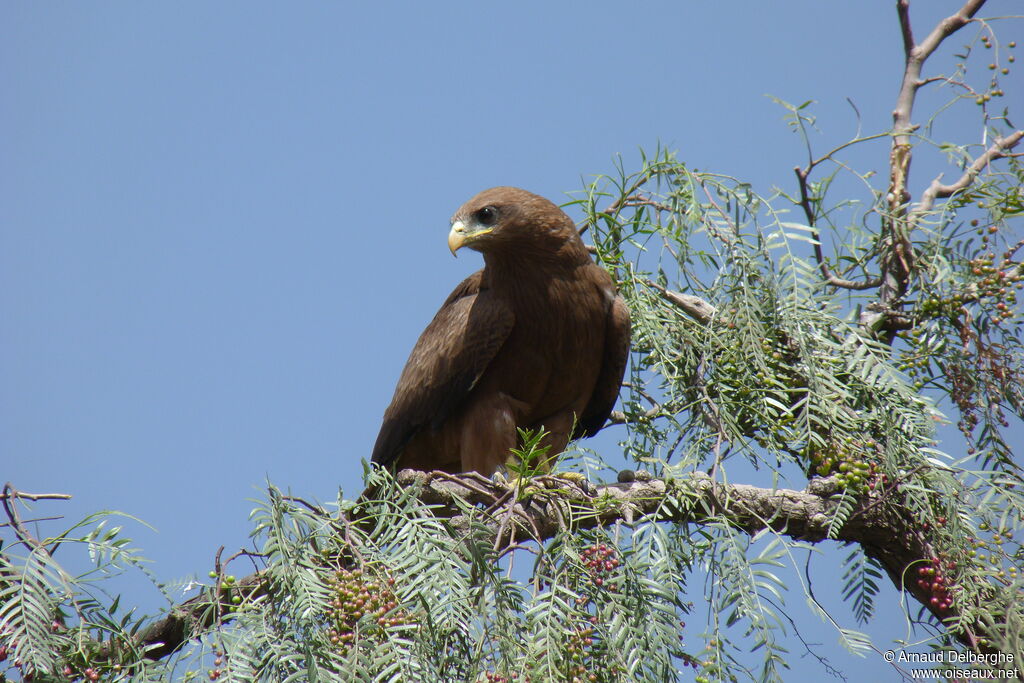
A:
{"points": [[903, 9], [819, 256], [8, 498], [947, 27], [897, 252], [13, 493], [937, 190], [915, 56]]}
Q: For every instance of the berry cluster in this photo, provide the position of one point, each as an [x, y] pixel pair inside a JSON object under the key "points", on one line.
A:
{"points": [[82, 673], [218, 665], [490, 677], [932, 581], [710, 667], [70, 673], [601, 561], [996, 285], [994, 90], [230, 591], [991, 555], [586, 657], [584, 652], [979, 369], [578, 647], [846, 459], [362, 605]]}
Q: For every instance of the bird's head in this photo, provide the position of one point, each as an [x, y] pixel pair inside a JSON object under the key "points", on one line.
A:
{"points": [[508, 218]]}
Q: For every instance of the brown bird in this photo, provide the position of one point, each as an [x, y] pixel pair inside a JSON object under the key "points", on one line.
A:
{"points": [[537, 339]]}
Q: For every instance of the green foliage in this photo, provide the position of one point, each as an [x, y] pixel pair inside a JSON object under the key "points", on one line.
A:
{"points": [[424, 602], [861, 584], [813, 333], [54, 624]]}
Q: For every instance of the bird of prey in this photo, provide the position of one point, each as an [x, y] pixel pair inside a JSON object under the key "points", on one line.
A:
{"points": [[537, 339]]}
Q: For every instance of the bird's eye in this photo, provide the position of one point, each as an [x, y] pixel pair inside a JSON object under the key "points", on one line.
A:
{"points": [[487, 216]]}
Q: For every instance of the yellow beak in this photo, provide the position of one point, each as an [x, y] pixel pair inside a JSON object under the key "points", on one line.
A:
{"points": [[460, 236]]}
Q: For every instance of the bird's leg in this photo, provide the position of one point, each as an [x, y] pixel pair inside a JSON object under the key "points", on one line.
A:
{"points": [[487, 433], [558, 428]]}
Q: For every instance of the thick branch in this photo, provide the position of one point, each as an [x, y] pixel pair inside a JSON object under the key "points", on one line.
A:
{"points": [[896, 542], [555, 504], [166, 635]]}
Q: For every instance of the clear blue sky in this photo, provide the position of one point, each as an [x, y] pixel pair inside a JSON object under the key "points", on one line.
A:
{"points": [[222, 225]]}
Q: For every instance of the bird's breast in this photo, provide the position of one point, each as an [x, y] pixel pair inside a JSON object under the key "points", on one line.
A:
{"points": [[551, 359]]}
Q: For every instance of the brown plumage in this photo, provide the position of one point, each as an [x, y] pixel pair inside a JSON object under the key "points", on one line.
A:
{"points": [[538, 338]]}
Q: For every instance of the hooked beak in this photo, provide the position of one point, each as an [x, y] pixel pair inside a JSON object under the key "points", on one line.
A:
{"points": [[461, 236]]}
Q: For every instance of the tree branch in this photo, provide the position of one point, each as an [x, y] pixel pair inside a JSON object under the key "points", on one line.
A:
{"points": [[8, 499], [826, 272], [10, 492], [895, 248], [897, 542], [936, 190]]}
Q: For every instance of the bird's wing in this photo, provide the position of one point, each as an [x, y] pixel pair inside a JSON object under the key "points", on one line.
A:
{"points": [[613, 366], [449, 358]]}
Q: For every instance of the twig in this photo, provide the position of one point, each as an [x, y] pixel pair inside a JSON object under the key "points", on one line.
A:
{"points": [[34, 520], [619, 417], [936, 190], [617, 205], [252, 555], [819, 256], [713, 229], [502, 499], [463, 482], [10, 492], [512, 547], [1013, 250], [643, 200], [315, 509]]}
